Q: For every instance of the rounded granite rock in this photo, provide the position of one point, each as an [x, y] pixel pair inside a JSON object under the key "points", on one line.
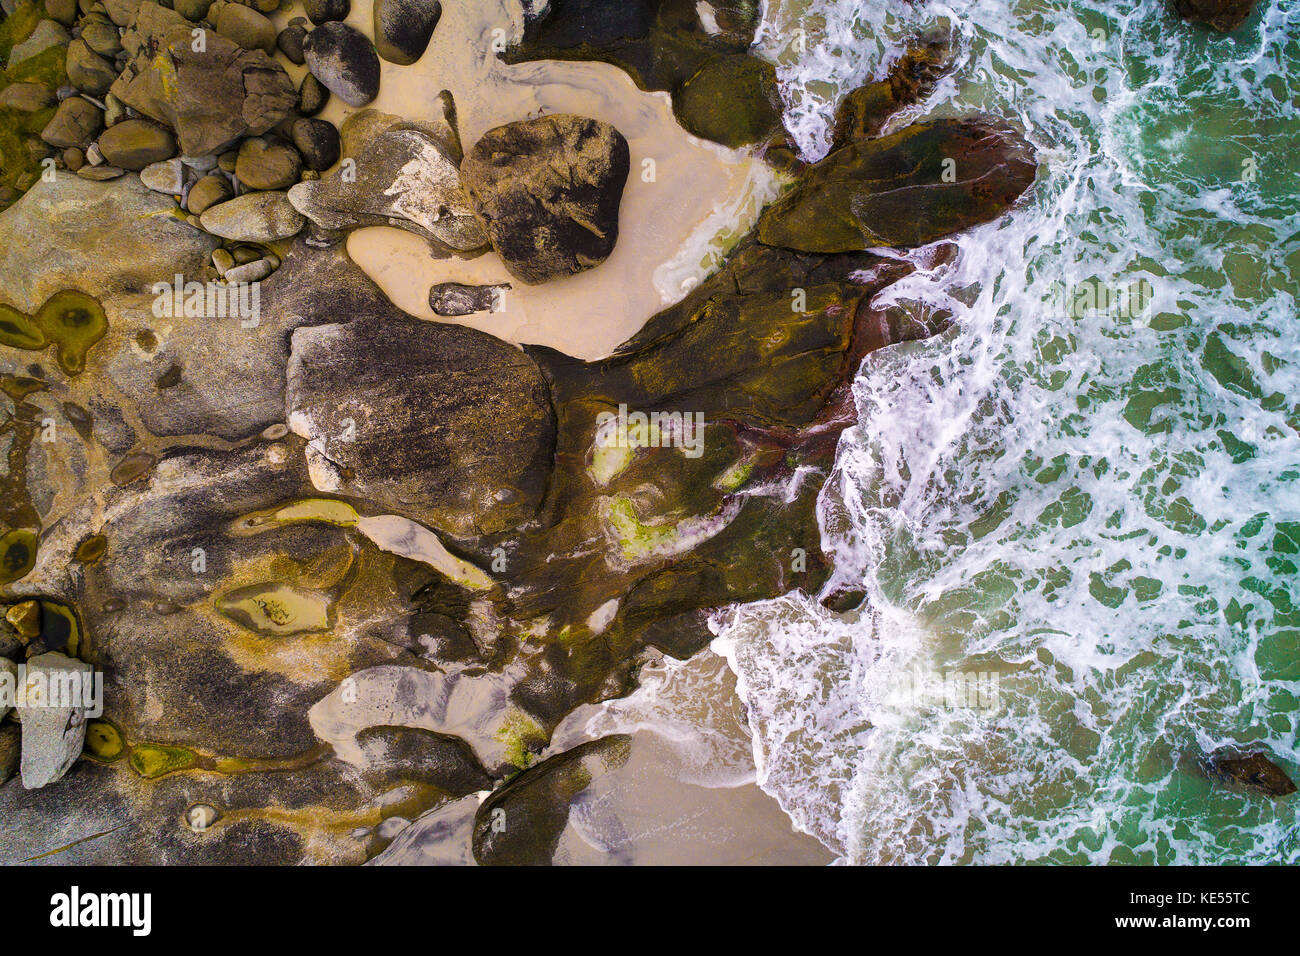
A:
{"points": [[135, 143], [403, 28], [318, 142]]}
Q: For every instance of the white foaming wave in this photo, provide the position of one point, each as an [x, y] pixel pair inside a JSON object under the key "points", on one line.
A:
{"points": [[1046, 495]]}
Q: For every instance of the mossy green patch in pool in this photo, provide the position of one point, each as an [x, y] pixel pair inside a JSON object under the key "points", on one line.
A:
{"points": [[154, 760], [74, 322], [104, 740], [17, 555]]}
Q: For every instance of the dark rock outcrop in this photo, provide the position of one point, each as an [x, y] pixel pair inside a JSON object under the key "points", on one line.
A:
{"points": [[918, 185], [549, 190]]}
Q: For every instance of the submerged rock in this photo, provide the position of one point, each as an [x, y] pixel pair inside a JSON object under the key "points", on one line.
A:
{"points": [[446, 424], [1223, 15], [403, 28], [344, 60], [549, 190], [863, 113], [401, 178], [1251, 769], [918, 185]]}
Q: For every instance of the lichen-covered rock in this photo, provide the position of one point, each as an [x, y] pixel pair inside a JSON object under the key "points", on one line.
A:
{"points": [[549, 190], [918, 185], [403, 28], [134, 144], [401, 178], [209, 98], [443, 423], [344, 60], [53, 239]]}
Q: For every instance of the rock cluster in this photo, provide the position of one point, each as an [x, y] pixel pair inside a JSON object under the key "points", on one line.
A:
{"points": [[407, 549]]}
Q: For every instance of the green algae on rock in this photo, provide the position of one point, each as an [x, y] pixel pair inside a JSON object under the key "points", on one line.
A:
{"points": [[17, 555]]}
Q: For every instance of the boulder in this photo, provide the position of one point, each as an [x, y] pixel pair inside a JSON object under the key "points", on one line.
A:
{"points": [[520, 824], [253, 217], [403, 28], [208, 192], [53, 717], [267, 164], [88, 71], [312, 96], [246, 27], [918, 185], [134, 144], [210, 99], [442, 423], [344, 60], [549, 190], [732, 99], [401, 178], [317, 141], [76, 123], [290, 40]]}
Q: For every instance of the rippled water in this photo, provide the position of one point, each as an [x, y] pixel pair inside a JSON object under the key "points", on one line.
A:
{"points": [[1101, 507]]}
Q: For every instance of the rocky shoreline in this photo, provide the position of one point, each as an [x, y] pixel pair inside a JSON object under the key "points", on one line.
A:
{"points": [[339, 567]]}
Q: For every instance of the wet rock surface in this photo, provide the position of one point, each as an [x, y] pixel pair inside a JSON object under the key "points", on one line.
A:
{"points": [[408, 549], [549, 190]]}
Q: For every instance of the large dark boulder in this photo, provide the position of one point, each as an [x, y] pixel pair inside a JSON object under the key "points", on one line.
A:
{"points": [[549, 190], [442, 423], [918, 185]]}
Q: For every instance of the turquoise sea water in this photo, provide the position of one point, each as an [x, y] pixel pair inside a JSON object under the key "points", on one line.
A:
{"points": [[1100, 505]]}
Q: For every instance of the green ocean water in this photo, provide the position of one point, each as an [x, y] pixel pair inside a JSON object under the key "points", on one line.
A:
{"points": [[1101, 505]]}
